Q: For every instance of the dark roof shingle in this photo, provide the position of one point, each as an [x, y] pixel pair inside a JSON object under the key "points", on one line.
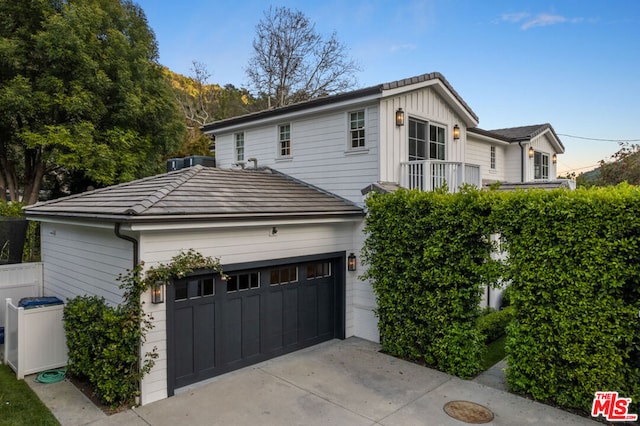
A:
{"points": [[207, 193]]}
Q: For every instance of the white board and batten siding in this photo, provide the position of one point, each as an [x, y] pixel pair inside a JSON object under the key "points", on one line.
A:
{"points": [[424, 104], [84, 260], [320, 151], [243, 244], [19, 280]]}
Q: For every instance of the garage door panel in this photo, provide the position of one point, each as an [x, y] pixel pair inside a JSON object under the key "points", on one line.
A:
{"points": [[230, 328], [204, 337], [290, 317], [251, 326], [273, 321], [184, 348]]}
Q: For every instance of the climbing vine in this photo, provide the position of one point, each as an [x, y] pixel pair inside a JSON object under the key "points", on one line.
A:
{"points": [[104, 341]]}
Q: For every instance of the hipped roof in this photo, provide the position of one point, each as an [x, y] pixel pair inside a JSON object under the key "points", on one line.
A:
{"points": [[200, 193]]}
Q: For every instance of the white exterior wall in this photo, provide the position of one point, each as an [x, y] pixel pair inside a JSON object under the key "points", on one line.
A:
{"points": [[423, 104], [320, 150], [479, 152], [248, 244], [513, 162], [83, 260]]}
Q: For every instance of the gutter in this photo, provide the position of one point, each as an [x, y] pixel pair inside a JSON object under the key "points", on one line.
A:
{"points": [[136, 255], [521, 161]]}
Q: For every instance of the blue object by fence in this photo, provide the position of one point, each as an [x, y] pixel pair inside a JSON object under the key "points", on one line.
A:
{"points": [[1, 335], [38, 302]]}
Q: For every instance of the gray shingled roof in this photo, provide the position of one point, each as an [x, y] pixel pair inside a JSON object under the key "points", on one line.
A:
{"points": [[355, 94], [515, 134], [200, 192]]}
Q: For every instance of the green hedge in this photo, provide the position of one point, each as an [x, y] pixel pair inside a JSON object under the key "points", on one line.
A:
{"points": [[493, 324], [427, 257], [575, 284]]}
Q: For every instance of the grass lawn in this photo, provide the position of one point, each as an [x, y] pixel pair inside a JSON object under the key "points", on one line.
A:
{"points": [[495, 352], [19, 405]]}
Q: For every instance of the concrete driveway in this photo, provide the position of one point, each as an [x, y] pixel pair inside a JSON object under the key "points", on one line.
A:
{"points": [[336, 383]]}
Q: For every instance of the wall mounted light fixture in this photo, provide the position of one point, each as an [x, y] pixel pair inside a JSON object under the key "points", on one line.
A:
{"points": [[531, 152], [157, 293], [351, 262], [554, 158], [456, 132], [399, 117]]}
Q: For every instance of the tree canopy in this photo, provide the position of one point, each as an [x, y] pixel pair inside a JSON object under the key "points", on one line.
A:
{"points": [[81, 92], [291, 62]]}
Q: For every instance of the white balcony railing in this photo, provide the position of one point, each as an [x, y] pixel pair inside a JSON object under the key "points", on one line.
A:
{"points": [[427, 175]]}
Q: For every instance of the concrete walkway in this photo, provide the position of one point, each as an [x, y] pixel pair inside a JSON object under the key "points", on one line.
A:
{"points": [[336, 383]]}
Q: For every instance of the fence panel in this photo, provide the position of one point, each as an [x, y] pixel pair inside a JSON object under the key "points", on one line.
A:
{"points": [[20, 280]]}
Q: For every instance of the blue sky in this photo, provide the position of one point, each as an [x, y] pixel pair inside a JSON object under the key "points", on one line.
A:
{"points": [[572, 63]]}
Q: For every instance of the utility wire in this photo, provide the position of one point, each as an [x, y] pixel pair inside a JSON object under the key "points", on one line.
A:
{"points": [[601, 140]]}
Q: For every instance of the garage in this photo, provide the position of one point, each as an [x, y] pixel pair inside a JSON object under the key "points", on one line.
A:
{"points": [[262, 310]]}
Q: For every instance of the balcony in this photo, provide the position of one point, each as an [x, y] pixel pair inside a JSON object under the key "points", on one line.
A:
{"points": [[427, 175]]}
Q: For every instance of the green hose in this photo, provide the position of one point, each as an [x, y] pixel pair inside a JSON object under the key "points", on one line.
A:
{"points": [[51, 376]]}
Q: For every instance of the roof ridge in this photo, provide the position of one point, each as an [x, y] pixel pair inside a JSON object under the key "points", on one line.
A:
{"points": [[183, 176]]}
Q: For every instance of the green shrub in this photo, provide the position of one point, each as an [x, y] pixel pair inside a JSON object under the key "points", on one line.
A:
{"points": [[575, 287], [427, 256], [493, 324]]}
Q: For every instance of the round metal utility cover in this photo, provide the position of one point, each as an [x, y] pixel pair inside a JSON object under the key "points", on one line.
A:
{"points": [[468, 412]]}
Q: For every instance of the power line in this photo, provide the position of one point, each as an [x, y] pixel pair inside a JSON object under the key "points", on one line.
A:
{"points": [[600, 140]]}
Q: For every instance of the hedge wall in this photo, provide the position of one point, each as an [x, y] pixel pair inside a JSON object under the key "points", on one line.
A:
{"points": [[573, 262], [428, 256]]}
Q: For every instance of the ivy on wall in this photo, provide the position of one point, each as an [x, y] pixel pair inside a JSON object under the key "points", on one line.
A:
{"points": [[104, 341]]}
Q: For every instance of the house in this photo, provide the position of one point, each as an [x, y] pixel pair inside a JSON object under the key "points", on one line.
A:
{"points": [[283, 211], [412, 133]]}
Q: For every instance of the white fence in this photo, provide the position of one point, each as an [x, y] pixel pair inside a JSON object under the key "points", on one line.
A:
{"points": [[19, 280], [34, 339]]}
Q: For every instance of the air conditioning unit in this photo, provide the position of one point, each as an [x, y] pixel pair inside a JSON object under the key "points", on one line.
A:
{"points": [[175, 164], [199, 159]]}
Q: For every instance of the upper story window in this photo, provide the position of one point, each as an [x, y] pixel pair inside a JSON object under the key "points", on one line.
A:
{"points": [[356, 129], [239, 146], [540, 166], [423, 148], [284, 140], [493, 157], [436, 142]]}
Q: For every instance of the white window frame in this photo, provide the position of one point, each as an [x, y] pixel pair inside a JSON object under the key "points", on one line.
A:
{"points": [[238, 146], [492, 157], [357, 134], [541, 165], [440, 146], [284, 143]]}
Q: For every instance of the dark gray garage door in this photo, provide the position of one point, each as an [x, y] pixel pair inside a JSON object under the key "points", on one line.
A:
{"points": [[262, 311]]}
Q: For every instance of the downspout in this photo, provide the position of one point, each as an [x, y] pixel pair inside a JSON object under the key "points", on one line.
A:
{"points": [[136, 255], [521, 161], [136, 259]]}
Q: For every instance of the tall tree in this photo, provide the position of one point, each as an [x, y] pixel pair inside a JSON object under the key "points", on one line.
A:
{"points": [[291, 62], [81, 92], [624, 166]]}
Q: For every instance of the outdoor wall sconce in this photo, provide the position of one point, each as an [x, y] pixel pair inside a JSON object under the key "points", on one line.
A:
{"points": [[554, 159], [399, 117], [157, 293], [531, 152], [351, 262], [456, 132]]}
